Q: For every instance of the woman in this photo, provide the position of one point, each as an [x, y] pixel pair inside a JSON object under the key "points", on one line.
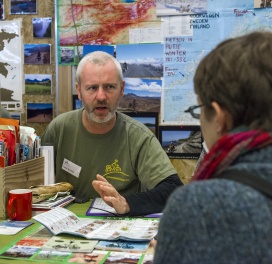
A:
{"points": [[213, 220]]}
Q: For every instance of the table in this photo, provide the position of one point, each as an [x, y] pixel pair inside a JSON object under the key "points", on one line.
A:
{"points": [[6, 241], [78, 209]]}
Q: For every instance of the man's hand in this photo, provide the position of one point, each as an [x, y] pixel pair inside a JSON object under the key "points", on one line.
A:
{"points": [[110, 195]]}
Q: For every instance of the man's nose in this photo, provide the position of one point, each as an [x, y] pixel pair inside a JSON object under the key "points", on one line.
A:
{"points": [[101, 95]]}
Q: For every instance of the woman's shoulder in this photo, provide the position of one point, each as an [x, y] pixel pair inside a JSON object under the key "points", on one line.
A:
{"points": [[203, 191]]}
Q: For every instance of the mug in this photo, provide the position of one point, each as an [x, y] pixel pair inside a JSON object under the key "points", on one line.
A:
{"points": [[19, 206]]}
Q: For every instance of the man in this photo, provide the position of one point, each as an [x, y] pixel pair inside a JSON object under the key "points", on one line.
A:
{"points": [[97, 140]]}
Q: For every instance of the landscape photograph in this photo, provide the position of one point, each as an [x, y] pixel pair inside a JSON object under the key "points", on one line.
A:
{"points": [[67, 55], [39, 112], [181, 142], [23, 7], [42, 27], [37, 53], [141, 95], [141, 60], [38, 83]]}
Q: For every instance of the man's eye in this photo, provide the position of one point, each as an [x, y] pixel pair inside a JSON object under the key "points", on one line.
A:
{"points": [[92, 88], [109, 87]]}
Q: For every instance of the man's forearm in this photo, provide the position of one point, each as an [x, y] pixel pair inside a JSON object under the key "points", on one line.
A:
{"points": [[152, 201]]}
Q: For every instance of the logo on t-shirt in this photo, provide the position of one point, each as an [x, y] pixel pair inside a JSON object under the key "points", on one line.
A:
{"points": [[114, 171]]}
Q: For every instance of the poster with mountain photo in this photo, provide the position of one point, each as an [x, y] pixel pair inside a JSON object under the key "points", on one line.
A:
{"points": [[38, 83]]}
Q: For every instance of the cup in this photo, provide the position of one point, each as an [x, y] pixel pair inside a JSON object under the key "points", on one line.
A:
{"points": [[19, 206]]}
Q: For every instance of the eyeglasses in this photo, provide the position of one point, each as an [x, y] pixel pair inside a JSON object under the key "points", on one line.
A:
{"points": [[194, 111]]}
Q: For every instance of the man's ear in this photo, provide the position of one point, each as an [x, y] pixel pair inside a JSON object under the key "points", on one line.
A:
{"points": [[222, 118], [122, 88], [77, 90]]}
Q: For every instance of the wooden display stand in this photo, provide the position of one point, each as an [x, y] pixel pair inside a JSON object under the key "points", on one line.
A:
{"points": [[19, 176]]}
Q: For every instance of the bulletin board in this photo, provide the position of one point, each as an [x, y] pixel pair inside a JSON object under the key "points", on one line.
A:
{"points": [[27, 15], [186, 30]]}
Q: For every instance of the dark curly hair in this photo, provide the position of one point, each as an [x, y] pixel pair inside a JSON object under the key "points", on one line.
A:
{"points": [[237, 75]]}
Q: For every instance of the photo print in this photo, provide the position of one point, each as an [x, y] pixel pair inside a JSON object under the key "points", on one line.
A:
{"points": [[38, 83], [141, 95], [183, 142], [141, 60], [39, 112], [123, 257], [23, 7], [42, 27], [96, 257], [67, 55], [37, 53]]}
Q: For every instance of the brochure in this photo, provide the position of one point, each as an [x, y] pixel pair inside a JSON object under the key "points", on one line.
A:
{"points": [[69, 244], [52, 203], [60, 220], [12, 227], [121, 245], [99, 208]]}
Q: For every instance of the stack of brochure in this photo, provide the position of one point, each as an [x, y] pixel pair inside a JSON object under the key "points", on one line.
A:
{"points": [[53, 202]]}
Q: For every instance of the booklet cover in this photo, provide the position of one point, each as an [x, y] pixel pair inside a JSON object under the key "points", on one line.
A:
{"points": [[69, 244], [120, 245], [99, 208], [60, 220], [13, 227]]}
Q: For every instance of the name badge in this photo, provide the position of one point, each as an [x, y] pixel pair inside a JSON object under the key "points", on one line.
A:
{"points": [[71, 167]]}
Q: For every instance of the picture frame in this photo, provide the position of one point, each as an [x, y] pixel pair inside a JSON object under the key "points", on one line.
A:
{"points": [[39, 112], [141, 60], [67, 55], [37, 54], [141, 95], [76, 102], [182, 142], [23, 7], [42, 27], [38, 84], [149, 119]]}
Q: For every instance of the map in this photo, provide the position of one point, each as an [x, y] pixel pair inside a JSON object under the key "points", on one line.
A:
{"points": [[11, 65], [102, 22], [182, 54]]}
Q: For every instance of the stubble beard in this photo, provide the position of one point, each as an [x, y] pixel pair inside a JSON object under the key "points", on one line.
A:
{"points": [[92, 117]]}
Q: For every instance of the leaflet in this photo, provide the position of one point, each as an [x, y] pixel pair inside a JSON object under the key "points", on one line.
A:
{"points": [[60, 220]]}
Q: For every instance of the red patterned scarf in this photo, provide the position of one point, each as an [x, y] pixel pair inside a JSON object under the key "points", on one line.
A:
{"points": [[227, 149]]}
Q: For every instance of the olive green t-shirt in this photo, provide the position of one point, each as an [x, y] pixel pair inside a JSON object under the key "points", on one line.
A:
{"points": [[127, 155]]}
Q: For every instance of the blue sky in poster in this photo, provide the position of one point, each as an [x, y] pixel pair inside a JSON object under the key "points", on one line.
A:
{"points": [[143, 87], [174, 135], [90, 48], [39, 105], [139, 52]]}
